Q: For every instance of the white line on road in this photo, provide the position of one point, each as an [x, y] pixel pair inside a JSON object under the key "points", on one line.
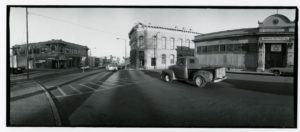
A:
{"points": [[99, 90], [61, 91], [75, 89], [87, 87]]}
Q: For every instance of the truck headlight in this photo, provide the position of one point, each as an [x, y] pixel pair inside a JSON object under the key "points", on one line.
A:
{"points": [[220, 72]]}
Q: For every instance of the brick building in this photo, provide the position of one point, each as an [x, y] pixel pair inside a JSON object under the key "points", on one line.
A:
{"points": [[271, 44], [154, 47], [54, 54]]}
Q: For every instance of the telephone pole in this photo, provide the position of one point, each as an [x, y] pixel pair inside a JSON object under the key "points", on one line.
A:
{"points": [[27, 43]]}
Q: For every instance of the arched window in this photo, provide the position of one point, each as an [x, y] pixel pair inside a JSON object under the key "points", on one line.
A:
{"points": [[163, 58], [172, 59], [179, 44], [172, 43], [154, 42], [164, 43], [141, 42]]}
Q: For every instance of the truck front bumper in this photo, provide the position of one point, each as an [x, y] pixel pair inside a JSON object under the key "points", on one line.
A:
{"points": [[220, 79]]}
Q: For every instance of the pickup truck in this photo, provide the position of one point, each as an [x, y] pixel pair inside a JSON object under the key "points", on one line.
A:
{"points": [[188, 69]]}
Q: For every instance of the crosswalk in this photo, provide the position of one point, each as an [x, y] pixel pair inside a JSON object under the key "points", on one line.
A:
{"points": [[90, 87]]}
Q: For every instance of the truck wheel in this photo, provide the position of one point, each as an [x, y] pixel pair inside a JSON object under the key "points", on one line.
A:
{"points": [[200, 82], [167, 78]]}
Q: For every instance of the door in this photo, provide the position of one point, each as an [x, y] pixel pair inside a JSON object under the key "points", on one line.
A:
{"points": [[276, 55], [179, 68]]}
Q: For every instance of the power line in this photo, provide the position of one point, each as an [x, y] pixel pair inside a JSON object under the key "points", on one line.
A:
{"points": [[83, 26]]}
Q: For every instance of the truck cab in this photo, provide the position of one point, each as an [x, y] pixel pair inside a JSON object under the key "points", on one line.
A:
{"points": [[190, 70]]}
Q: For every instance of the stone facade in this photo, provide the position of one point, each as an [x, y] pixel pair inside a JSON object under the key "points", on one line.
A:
{"points": [[152, 45], [271, 44], [54, 54]]}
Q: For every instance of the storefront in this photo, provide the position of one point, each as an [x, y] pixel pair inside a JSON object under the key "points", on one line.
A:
{"points": [[269, 45]]}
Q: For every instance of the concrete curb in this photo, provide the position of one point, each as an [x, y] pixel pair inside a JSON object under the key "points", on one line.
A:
{"points": [[53, 106], [250, 73]]}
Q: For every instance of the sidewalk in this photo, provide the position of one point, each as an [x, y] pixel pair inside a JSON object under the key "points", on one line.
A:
{"points": [[32, 108], [30, 105]]}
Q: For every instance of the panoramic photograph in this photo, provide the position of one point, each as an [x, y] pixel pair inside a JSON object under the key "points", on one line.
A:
{"points": [[143, 66]]}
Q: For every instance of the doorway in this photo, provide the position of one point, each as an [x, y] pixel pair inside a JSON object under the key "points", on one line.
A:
{"points": [[276, 55]]}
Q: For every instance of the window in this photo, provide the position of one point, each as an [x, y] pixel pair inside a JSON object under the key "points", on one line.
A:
{"points": [[172, 43], [222, 48], [163, 59], [164, 43], [199, 50], [180, 44], [203, 49], [181, 62], [154, 42], [172, 59], [188, 43], [141, 41], [192, 61], [229, 47], [53, 48]]}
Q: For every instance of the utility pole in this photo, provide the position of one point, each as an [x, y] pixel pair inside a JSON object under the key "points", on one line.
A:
{"points": [[27, 43]]}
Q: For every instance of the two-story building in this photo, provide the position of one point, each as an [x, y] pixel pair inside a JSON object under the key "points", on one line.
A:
{"points": [[155, 47], [50, 54]]}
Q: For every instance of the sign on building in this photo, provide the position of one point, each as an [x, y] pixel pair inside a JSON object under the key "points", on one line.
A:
{"points": [[276, 47]]}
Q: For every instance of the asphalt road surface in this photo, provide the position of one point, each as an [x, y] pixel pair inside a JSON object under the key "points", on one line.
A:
{"points": [[130, 98]]}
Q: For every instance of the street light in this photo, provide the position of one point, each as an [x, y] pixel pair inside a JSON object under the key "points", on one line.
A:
{"points": [[125, 52]]}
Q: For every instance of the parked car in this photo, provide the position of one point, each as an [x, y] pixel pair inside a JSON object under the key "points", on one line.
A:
{"points": [[188, 69], [278, 71], [111, 67], [17, 70], [85, 67]]}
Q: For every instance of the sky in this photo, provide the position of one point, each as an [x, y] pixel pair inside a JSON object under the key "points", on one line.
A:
{"points": [[98, 28]]}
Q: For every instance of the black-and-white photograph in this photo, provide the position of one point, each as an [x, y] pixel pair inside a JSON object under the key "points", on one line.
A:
{"points": [[152, 66]]}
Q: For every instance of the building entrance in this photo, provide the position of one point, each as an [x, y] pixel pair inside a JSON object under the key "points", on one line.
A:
{"points": [[276, 55]]}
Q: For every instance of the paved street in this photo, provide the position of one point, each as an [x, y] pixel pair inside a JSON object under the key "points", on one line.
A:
{"points": [[133, 98]]}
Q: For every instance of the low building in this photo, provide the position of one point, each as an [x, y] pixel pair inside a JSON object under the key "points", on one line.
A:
{"points": [[54, 54], [154, 47], [271, 44]]}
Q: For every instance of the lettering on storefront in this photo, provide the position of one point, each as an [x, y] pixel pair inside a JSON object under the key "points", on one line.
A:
{"points": [[276, 47], [275, 38], [226, 41], [272, 30]]}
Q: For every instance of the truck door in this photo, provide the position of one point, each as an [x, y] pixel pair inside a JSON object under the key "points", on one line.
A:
{"points": [[180, 67]]}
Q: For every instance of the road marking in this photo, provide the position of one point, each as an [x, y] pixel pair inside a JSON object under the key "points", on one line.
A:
{"points": [[87, 87], [61, 91], [75, 89], [100, 90]]}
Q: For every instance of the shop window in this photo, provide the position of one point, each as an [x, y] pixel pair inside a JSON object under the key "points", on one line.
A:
{"points": [[204, 49], [229, 47], [222, 48], [163, 59]]}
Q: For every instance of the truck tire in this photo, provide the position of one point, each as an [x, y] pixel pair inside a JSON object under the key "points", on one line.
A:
{"points": [[200, 81], [167, 78]]}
